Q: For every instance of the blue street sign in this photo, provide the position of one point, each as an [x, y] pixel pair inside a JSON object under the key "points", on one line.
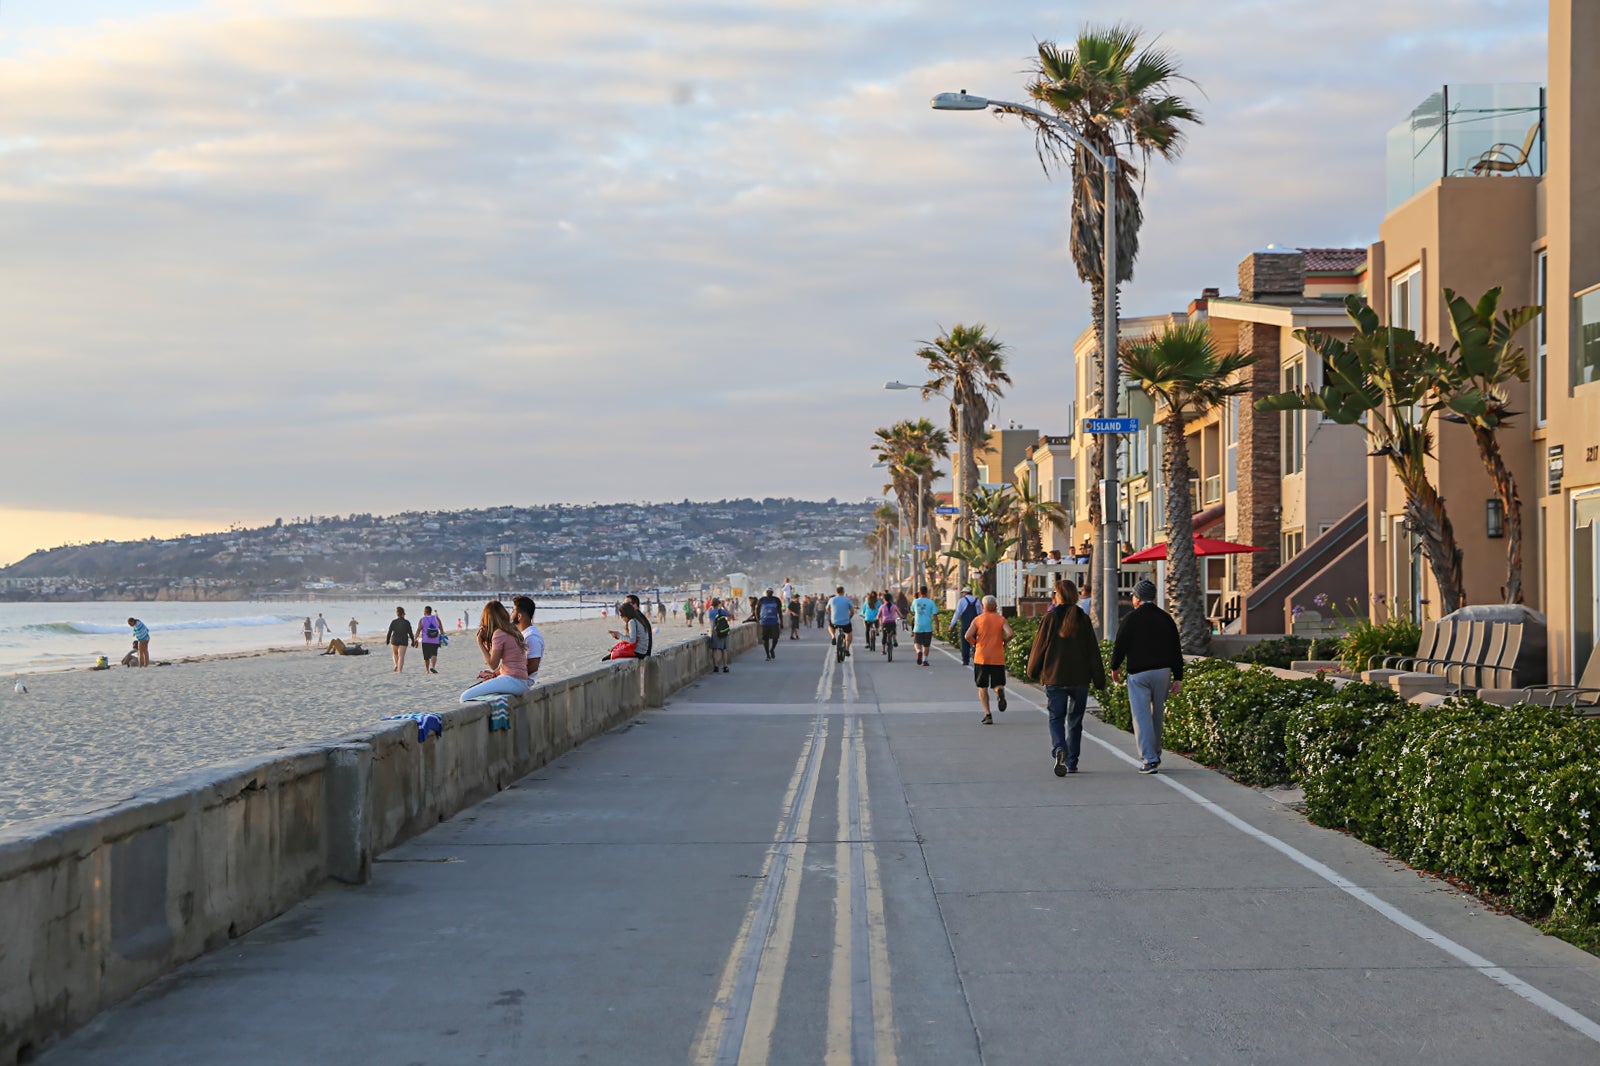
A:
{"points": [[1111, 425], [947, 510], [920, 547]]}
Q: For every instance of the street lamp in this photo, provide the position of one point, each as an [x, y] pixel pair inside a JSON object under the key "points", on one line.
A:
{"points": [[958, 476], [1108, 535]]}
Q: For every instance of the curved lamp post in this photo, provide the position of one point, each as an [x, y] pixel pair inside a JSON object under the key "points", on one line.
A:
{"points": [[1108, 536]]}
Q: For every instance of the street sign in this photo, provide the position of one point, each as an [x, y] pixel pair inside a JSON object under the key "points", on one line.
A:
{"points": [[920, 547], [947, 510], [1111, 425]]}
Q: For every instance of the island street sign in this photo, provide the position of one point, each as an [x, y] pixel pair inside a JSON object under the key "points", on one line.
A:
{"points": [[1111, 425], [947, 510]]}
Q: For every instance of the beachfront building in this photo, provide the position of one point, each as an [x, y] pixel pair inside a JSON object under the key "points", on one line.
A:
{"points": [[1048, 471], [1499, 185]]}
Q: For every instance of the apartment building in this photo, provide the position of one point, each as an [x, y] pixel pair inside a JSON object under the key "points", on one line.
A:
{"points": [[1499, 185]]}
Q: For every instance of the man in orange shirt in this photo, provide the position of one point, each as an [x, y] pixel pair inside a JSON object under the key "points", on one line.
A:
{"points": [[988, 634]]}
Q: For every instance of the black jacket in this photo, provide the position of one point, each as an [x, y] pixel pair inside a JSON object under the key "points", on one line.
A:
{"points": [[1074, 660], [1148, 639]]}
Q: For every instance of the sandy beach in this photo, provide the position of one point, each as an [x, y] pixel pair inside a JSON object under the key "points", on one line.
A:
{"points": [[86, 738]]}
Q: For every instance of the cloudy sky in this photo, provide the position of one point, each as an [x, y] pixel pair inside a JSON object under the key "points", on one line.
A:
{"points": [[280, 257]]}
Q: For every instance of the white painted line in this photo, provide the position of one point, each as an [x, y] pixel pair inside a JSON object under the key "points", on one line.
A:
{"points": [[1498, 974]]}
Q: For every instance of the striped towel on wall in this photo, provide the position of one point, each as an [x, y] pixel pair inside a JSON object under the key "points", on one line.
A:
{"points": [[499, 714], [427, 722]]}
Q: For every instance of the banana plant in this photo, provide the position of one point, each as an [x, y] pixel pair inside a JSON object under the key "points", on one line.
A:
{"points": [[983, 552]]}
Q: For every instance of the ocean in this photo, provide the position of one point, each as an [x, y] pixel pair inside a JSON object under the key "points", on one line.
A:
{"points": [[37, 637]]}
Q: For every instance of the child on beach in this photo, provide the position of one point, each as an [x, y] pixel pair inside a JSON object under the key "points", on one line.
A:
{"points": [[505, 652]]}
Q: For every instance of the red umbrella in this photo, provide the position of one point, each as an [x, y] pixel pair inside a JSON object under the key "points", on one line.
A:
{"points": [[1202, 546]]}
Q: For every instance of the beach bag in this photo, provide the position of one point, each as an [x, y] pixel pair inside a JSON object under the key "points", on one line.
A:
{"points": [[720, 627], [624, 649]]}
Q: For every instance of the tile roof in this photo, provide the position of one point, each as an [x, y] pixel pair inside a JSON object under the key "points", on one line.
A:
{"points": [[1341, 260]]}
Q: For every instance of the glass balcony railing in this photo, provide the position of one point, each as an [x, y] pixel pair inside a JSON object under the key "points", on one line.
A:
{"points": [[1467, 131]]}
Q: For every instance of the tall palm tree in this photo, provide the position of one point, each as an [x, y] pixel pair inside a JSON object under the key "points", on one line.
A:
{"points": [[909, 449], [968, 366], [1117, 93], [887, 517], [1183, 372], [1483, 360]]}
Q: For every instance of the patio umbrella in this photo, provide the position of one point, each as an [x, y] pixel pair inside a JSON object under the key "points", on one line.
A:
{"points": [[1202, 546]]}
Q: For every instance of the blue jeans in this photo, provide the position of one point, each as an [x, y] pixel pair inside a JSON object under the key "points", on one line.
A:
{"points": [[1066, 726], [1147, 698], [495, 686]]}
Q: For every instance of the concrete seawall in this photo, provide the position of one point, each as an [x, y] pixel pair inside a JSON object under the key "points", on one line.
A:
{"points": [[96, 905]]}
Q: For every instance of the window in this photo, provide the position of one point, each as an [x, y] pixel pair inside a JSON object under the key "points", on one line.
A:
{"points": [[983, 473], [1067, 499], [1585, 577], [1586, 338], [1541, 360], [1233, 420], [1292, 542], [1405, 300], [1230, 458], [1294, 422], [1141, 524]]}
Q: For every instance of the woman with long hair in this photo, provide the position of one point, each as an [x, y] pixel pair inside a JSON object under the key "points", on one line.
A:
{"points": [[504, 651], [1066, 660]]}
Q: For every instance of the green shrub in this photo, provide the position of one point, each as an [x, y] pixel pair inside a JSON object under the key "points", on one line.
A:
{"points": [[1113, 699], [941, 627], [1283, 651], [1235, 719], [1365, 639], [1323, 742], [1020, 646]]}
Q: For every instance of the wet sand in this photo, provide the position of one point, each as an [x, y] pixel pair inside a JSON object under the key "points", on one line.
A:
{"points": [[92, 738]]}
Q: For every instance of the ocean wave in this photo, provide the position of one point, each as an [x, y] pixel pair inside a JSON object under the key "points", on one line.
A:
{"points": [[194, 623]]}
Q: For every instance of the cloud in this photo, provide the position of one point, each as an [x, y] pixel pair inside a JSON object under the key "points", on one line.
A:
{"points": [[352, 255]]}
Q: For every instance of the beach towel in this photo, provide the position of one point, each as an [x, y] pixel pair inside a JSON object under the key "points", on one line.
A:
{"points": [[427, 722], [499, 714]]}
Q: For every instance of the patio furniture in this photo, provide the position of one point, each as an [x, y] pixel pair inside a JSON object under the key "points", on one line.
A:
{"points": [[1505, 158], [1583, 697]]}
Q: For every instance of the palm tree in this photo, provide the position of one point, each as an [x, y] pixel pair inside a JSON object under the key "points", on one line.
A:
{"points": [[909, 450], [888, 520], [1033, 514], [1183, 372], [967, 365], [1116, 94], [1387, 380], [1484, 358], [983, 552]]}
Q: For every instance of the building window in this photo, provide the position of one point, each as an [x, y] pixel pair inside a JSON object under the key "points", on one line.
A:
{"points": [[1405, 300], [1294, 422], [1541, 359], [983, 473], [1292, 542], [1586, 338], [1233, 420], [1141, 524], [1067, 498]]}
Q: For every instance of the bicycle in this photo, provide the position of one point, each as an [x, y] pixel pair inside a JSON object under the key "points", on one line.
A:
{"points": [[872, 635], [888, 644]]}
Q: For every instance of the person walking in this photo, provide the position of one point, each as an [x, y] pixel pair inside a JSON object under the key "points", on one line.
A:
{"points": [[721, 627], [688, 613], [399, 638], [968, 608], [430, 634], [306, 629], [794, 615], [141, 641], [1148, 641], [922, 612], [355, 628], [1066, 660], [323, 629], [988, 634], [769, 614]]}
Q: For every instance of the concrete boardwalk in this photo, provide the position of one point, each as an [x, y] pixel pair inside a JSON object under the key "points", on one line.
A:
{"points": [[798, 863]]}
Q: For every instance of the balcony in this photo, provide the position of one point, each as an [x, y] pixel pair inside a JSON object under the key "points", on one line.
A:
{"points": [[1467, 131]]}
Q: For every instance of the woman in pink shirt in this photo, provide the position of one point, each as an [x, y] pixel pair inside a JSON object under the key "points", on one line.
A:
{"points": [[505, 653]]}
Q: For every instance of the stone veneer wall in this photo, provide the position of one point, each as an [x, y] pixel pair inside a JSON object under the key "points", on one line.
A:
{"points": [[1260, 493]]}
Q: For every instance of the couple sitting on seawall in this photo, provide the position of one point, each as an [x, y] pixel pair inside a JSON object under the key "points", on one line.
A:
{"points": [[512, 648]]}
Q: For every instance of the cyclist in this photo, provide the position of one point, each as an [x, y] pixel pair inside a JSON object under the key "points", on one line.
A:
{"points": [[869, 618], [888, 622], [841, 609]]}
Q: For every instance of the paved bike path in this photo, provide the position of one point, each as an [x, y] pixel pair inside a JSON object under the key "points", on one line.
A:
{"points": [[799, 862]]}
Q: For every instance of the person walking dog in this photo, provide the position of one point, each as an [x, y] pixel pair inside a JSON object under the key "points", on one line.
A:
{"points": [[988, 634], [1066, 660], [1148, 641]]}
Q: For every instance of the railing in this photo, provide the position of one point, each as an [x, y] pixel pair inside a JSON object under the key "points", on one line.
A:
{"points": [[1467, 131]]}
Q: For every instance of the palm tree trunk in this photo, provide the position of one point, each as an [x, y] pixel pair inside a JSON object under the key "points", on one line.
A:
{"points": [[1505, 487], [1183, 570], [1425, 509]]}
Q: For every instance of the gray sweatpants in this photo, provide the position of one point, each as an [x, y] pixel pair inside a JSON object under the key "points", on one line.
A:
{"points": [[1147, 698]]}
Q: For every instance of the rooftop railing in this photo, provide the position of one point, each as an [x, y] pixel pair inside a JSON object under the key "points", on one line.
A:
{"points": [[1467, 131]]}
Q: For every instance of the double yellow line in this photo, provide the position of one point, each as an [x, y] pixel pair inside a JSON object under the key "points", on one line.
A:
{"points": [[860, 1028]]}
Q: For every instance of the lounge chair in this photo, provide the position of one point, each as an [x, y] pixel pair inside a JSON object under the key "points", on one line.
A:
{"points": [[1505, 158], [1583, 697]]}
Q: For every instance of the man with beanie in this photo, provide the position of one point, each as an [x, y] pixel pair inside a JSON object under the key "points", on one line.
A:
{"points": [[1148, 640]]}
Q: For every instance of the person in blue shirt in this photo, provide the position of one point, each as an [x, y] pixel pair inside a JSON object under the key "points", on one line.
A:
{"points": [[922, 612], [769, 615], [967, 610], [141, 640], [869, 616], [841, 609]]}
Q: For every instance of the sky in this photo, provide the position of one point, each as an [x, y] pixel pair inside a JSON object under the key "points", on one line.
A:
{"points": [[264, 258]]}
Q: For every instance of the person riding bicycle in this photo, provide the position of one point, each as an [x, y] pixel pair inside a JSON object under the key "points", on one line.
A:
{"points": [[888, 622], [841, 609], [869, 617]]}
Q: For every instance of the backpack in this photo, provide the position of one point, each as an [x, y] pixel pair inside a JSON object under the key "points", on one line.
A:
{"points": [[429, 628], [769, 612], [720, 627]]}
